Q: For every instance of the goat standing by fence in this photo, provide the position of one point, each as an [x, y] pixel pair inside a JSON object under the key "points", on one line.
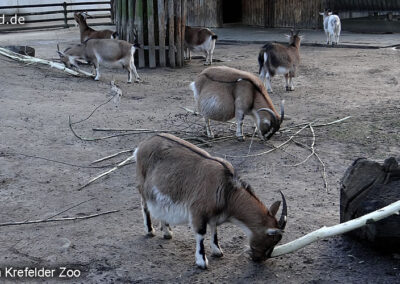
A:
{"points": [[332, 27], [89, 33], [275, 58], [180, 183], [201, 40]]}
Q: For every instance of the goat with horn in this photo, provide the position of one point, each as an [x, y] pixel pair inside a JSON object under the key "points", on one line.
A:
{"points": [[180, 183], [223, 93]]}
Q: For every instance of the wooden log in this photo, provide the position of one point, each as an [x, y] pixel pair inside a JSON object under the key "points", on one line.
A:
{"points": [[124, 10], [139, 26], [171, 23], [131, 21], [365, 187], [178, 32], [161, 32], [150, 33]]}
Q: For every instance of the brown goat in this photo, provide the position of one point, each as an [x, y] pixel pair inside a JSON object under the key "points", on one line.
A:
{"points": [[223, 93], [180, 183], [89, 33], [200, 40], [275, 58]]}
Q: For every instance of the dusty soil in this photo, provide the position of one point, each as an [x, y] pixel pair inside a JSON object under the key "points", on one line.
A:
{"points": [[35, 103]]}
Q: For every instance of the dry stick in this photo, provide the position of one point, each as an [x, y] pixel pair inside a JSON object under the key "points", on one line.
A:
{"points": [[271, 150], [315, 125], [82, 120], [325, 232], [111, 156], [324, 176], [251, 141], [69, 208], [33, 60], [137, 131], [57, 220], [312, 150], [123, 163]]}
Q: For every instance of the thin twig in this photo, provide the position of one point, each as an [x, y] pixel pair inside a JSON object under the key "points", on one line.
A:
{"points": [[288, 128], [57, 220], [69, 208], [82, 120], [120, 165], [251, 141], [271, 150], [111, 156], [312, 150]]}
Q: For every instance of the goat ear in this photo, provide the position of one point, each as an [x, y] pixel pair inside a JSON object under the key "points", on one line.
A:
{"points": [[274, 208], [81, 60], [60, 53]]}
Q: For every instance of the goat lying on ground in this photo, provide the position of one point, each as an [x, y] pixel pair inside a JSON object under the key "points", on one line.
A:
{"points": [[180, 183], [222, 93], [200, 40], [117, 53], [89, 33], [332, 27], [275, 58]]}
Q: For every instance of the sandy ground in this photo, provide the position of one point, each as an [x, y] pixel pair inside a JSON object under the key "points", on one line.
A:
{"points": [[35, 103]]}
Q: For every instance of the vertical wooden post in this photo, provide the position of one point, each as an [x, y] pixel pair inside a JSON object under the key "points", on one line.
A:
{"points": [[161, 31], [131, 13], [65, 15], [183, 25], [150, 33], [124, 9], [139, 25], [178, 32], [171, 24]]}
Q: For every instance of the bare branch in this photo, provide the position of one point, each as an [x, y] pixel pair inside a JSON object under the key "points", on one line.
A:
{"points": [[342, 228]]}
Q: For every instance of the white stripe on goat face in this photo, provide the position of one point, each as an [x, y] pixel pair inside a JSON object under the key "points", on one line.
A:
{"points": [[163, 208]]}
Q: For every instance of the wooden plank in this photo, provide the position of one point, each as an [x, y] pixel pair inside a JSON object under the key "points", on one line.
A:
{"points": [[150, 33], [124, 10], [183, 22], [178, 32], [131, 18], [171, 24], [161, 32], [139, 25]]}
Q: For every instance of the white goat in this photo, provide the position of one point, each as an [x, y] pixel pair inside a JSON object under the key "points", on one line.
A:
{"points": [[223, 93], [332, 27], [200, 40], [180, 183]]}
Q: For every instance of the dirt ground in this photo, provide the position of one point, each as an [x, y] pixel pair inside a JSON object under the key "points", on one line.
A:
{"points": [[35, 103]]}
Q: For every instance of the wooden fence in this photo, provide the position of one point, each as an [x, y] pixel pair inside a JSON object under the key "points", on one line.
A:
{"points": [[160, 26], [65, 9]]}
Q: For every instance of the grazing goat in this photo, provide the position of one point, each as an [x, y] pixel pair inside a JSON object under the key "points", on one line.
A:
{"points": [[118, 53], [89, 33], [180, 183], [275, 58], [332, 27], [200, 40], [223, 93]]}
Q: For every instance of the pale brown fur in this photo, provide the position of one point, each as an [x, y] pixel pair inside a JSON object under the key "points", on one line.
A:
{"points": [[99, 51], [87, 32], [172, 172], [201, 40], [222, 93]]}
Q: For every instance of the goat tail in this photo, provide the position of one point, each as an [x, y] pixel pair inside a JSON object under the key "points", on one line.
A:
{"points": [[115, 35], [214, 37], [135, 154], [262, 58]]}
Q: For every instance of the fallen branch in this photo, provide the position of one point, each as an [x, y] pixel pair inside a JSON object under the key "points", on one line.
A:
{"points": [[69, 208], [120, 165], [111, 156], [33, 60], [56, 220], [315, 125], [326, 232]]}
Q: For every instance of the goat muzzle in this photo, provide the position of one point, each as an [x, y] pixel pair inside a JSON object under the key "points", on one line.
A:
{"points": [[274, 122]]}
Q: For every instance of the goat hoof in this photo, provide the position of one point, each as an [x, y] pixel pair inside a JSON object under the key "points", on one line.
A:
{"points": [[167, 237], [240, 138], [217, 254], [150, 234]]}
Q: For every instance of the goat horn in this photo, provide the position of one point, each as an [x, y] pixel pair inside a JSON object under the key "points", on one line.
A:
{"points": [[283, 219], [282, 111], [58, 47], [274, 121]]}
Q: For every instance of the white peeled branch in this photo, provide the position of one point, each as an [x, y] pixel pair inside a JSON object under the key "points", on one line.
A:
{"points": [[31, 60], [342, 228]]}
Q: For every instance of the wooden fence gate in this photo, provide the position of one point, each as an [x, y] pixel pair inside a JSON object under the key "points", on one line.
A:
{"points": [[160, 26]]}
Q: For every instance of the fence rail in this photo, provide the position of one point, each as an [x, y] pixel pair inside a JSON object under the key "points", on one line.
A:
{"points": [[66, 10]]}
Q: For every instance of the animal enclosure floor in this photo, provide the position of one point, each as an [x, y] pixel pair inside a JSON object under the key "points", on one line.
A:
{"points": [[35, 103]]}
